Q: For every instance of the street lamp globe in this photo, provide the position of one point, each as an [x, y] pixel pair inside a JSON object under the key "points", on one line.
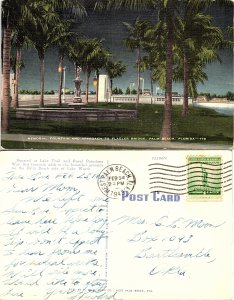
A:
{"points": [[95, 82], [60, 68]]}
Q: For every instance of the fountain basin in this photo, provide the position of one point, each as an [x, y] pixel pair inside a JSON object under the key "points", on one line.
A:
{"points": [[73, 115]]}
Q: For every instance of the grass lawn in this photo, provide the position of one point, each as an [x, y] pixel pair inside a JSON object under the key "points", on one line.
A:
{"points": [[201, 126]]}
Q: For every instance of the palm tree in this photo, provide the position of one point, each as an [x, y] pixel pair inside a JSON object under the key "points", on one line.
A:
{"points": [[198, 49], [43, 35], [18, 62], [6, 79], [95, 56], [65, 39], [114, 70], [90, 55], [79, 51], [13, 12], [197, 63], [155, 60], [168, 9], [49, 30], [135, 41], [63, 42], [191, 51], [19, 40], [194, 49], [98, 61], [167, 12]]}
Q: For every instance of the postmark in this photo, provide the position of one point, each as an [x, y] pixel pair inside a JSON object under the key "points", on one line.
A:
{"points": [[116, 179], [204, 178]]}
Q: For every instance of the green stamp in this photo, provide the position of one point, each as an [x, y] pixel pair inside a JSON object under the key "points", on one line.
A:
{"points": [[204, 175]]}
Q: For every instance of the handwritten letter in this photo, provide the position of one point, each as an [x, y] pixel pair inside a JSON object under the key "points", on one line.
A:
{"points": [[54, 234], [61, 238]]}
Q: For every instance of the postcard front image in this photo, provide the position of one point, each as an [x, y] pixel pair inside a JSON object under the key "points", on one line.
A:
{"points": [[117, 75]]}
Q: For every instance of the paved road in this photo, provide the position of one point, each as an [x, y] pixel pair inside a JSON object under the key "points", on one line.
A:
{"points": [[109, 142]]}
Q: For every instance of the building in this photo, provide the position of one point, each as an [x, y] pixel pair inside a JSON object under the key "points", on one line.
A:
{"points": [[104, 88]]}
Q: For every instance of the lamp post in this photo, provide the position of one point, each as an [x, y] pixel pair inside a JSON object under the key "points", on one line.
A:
{"points": [[95, 82], [131, 86], [143, 84], [157, 89], [64, 83], [14, 84]]}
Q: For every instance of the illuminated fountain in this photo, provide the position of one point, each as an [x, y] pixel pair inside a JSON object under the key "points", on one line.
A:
{"points": [[77, 81]]}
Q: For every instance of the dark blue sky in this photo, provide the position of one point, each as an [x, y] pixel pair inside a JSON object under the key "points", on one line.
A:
{"points": [[109, 26]]}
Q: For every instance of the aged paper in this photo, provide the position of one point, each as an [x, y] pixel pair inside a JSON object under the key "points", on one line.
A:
{"points": [[116, 225]]}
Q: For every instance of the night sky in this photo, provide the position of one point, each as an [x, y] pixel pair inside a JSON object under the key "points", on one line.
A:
{"points": [[108, 25]]}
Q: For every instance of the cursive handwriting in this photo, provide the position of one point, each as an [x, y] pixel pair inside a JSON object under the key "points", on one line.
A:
{"points": [[63, 240], [39, 176], [55, 237], [164, 269], [173, 246]]}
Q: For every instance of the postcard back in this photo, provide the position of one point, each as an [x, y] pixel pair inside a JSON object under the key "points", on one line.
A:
{"points": [[116, 225]]}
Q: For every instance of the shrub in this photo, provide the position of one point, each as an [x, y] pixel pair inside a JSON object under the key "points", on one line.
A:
{"points": [[230, 96], [117, 91]]}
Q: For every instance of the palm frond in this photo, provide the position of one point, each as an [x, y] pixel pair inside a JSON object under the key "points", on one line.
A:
{"points": [[128, 4]]}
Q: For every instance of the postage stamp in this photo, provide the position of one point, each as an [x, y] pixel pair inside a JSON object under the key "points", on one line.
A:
{"points": [[204, 178], [116, 179]]}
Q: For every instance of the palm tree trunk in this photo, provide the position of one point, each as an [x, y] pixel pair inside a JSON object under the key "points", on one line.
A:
{"points": [[186, 86], [60, 80], [42, 79], [6, 94], [151, 86], [138, 75], [166, 132], [111, 87], [87, 87], [17, 77]]}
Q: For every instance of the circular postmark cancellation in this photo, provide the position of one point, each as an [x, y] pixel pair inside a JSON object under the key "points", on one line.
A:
{"points": [[116, 179]]}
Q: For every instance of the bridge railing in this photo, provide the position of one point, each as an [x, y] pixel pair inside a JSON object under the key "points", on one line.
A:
{"points": [[176, 100]]}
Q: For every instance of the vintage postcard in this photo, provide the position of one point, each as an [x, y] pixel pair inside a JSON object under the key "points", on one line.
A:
{"points": [[108, 74], [116, 225]]}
